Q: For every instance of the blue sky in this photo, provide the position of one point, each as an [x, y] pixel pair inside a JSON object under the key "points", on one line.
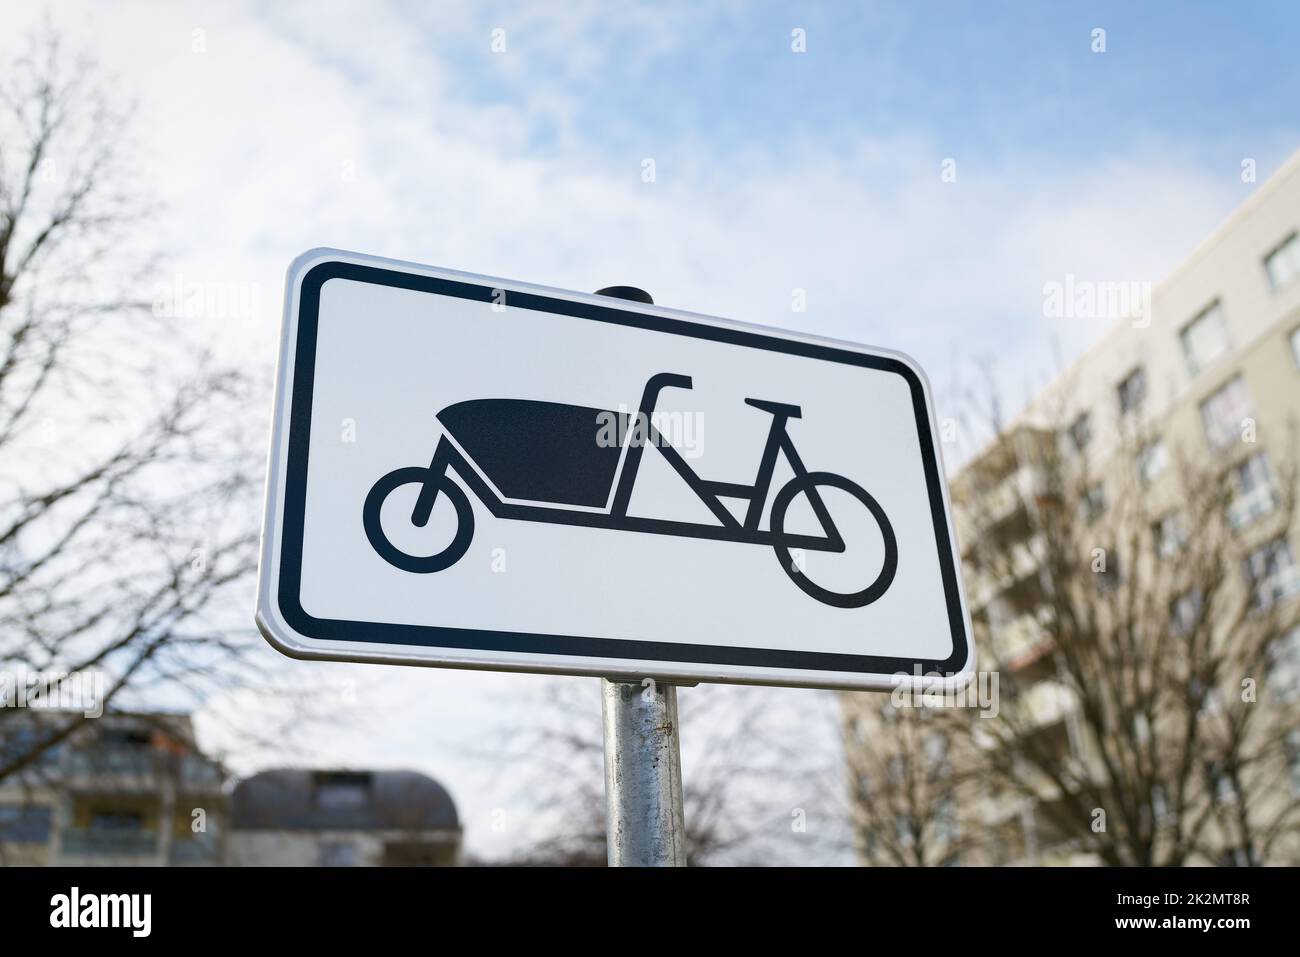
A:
{"points": [[997, 80], [394, 129]]}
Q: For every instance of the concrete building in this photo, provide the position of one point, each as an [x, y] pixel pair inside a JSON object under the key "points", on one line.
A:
{"points": [[1209, 364], [134, 789], [307, 818], [124, 789]]}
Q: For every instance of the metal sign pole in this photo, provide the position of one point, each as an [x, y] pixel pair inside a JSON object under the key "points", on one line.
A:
{"points": [[645, 825]]}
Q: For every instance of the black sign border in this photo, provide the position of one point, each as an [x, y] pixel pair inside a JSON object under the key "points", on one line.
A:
{"points": [[293, 518]]}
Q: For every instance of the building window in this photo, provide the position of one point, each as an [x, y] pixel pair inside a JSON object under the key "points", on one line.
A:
{"points": [[22, 741], [1293, 758], [1283, 263], [25, 823], [1132, 390], [897, 769], [1253, 495], [1185, 611], [1151, 461], [1170, 535], [1141, 729], [1205, 697], [1080, 432], [946, 828], [936, 749], [1224, 412], [1094, 501], [1107, 577], [1272, 573], [116, 821], [1159, 804], [864, 785], [339, 790], [1225, 793], [1221, 784], [1284, 676], [1204, 339]]}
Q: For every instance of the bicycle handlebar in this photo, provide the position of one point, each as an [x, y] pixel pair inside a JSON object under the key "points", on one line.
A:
{"points": [[658, 382]]}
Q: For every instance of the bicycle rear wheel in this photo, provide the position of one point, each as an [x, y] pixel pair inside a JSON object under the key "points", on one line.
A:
{"points": [[379, 541]]}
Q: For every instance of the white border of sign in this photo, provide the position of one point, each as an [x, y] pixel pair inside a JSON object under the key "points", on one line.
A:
{"points": [[272, 622]]}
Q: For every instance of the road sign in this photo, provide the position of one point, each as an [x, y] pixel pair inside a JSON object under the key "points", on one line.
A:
{"points": [[479, 473]]}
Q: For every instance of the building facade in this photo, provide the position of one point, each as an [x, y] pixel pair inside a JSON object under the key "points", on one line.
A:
{"points": [[1206, 366], [135, 790], [123, 789]]}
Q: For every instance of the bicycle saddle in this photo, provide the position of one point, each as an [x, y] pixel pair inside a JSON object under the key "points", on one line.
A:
{"points": [[776, 408]]}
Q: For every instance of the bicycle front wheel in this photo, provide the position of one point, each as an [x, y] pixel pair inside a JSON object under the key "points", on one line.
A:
{"points": [[802, 486]]}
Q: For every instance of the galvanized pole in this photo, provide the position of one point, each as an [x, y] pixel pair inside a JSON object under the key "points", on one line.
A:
{"points": [[644, 822]]}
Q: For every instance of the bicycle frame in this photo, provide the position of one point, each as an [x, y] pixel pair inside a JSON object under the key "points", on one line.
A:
{"points": [[711, 493]]}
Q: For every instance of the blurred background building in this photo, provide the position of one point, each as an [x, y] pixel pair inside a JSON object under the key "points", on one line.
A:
{"points": [[124, 789], [1210, 366], [134, 789], [292, 817]]}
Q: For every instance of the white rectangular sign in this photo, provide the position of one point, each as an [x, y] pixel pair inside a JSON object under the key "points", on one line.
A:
{"points": [[472, 472]]}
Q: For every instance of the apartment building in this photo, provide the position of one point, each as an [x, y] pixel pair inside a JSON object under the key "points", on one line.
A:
{"points": [[1209, 367], [123, 789], [135, 790]]}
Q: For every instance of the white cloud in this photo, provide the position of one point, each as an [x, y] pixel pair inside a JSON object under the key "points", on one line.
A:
{"points": [[346, 128]]}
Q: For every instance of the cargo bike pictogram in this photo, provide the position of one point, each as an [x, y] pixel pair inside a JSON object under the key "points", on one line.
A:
{"points": [[548, 463]]}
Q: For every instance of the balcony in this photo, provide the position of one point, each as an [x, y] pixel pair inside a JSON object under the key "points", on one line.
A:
{"points": [[1047, 704], [128, 769], [1003, 510], [113, 761], [103, 842], [1022, 646], [1017, 580]]}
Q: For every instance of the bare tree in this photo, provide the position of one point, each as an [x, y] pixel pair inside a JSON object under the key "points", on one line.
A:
{"points": [[1144, 633], [128, 477], [912, 769], [1134, 632], [756, 788]]}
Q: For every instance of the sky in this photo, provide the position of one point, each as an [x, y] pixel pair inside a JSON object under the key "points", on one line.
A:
{"points": [[918, 170]]}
